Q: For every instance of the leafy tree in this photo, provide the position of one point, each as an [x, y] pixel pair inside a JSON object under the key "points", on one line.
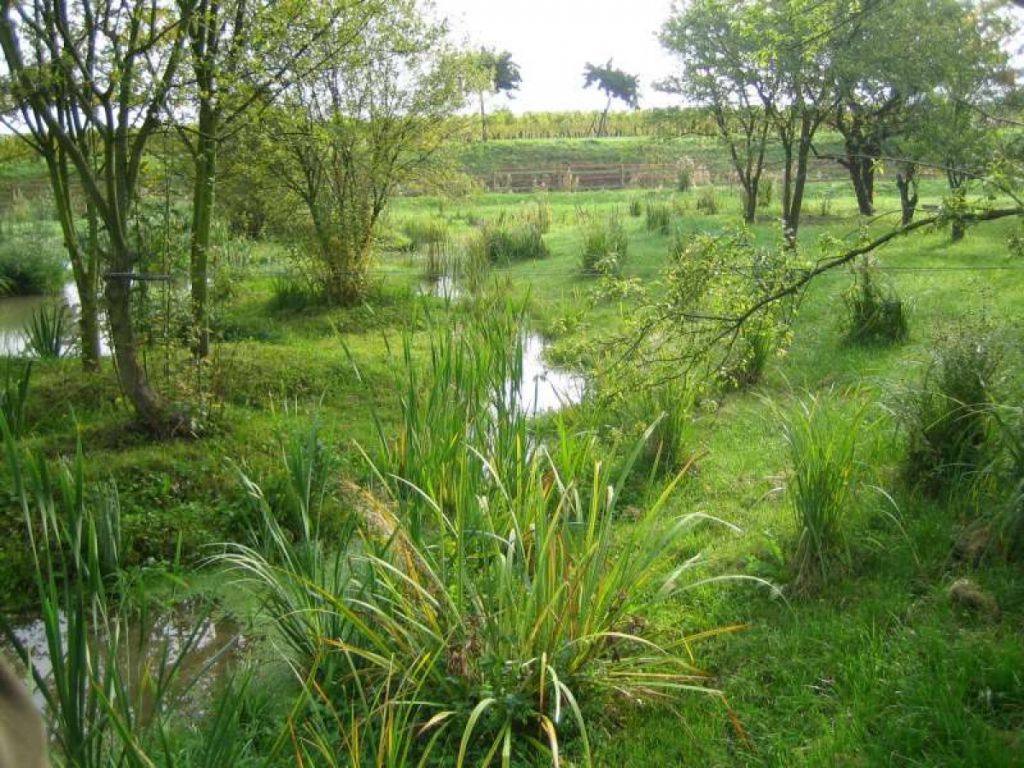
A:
{"points": [[344, 140], [882, 78], [615, 84], [495, 73], [243, 53], [91, 92], [719, 72]]}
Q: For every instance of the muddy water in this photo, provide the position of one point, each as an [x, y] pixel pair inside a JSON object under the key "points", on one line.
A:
{"points": [[208, 648], [15, 313]]}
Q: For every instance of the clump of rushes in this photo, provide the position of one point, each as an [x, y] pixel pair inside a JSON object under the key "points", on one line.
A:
{"points": [[508, 242], [948, 418], [492, 585], [658, 217], [605, 246], [48, 331], [823, 477], [874, 313]]}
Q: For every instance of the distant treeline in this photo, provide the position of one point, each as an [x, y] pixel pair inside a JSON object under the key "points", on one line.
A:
{"points": [[502, 124]]}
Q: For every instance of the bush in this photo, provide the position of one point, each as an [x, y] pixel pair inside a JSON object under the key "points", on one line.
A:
{"points": [[823, 477], [947, 420], [764, 191], [508, 242], [33, 266], [659, 217], [707, 202], [874, 313], [605, 245], [636, 207]]}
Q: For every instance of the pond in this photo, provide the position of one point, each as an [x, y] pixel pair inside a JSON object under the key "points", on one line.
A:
{"points": [[17, 311], [545, 388], [213, 646]]}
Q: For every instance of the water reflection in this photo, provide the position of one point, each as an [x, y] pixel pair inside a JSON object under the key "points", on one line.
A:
{"points": [[17, 311], [206, 647], [544, 388]]}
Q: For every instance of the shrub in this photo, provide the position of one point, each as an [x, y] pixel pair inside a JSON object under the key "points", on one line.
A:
{"points": [[659, 217], [605, 245], [32, 266], [823, 477], [947, 420], [636, 207], [874, 313], [707, 202], [764, 191]]}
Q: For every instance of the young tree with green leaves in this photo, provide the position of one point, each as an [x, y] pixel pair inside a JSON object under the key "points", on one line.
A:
{"points": [[720, 73], [343, 141], [92, 88], [493, 72], [615, 84], [243, 54]]}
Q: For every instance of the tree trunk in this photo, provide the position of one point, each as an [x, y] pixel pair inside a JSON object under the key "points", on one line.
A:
{"points": [[750, 201], [862, 174], [906, 183], [83, 263], [148, 405], [202, 219], [788, 230], [483, 119]]}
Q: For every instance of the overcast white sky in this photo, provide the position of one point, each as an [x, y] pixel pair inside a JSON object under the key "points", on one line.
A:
{"points": [[552, 40]]}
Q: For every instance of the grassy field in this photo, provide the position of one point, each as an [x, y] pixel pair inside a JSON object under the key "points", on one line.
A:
{"points": [[875, 665]]}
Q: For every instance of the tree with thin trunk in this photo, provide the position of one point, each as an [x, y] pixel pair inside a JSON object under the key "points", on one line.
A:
{"points": [[720, 72], [243, 54], [615, 84], [495, 73], [341, 143], [95, 80]]}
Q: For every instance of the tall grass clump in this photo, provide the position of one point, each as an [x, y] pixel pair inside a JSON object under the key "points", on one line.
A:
{"points": [[510, 242], [822, 446], [497, 584], [707, 202], [605, 246], [874, 313], [14, 396], [295, 558], [425, 232], [32, 265], [658, 217], [538, 215], [48, 333], [636, 207], [947, 419]]}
